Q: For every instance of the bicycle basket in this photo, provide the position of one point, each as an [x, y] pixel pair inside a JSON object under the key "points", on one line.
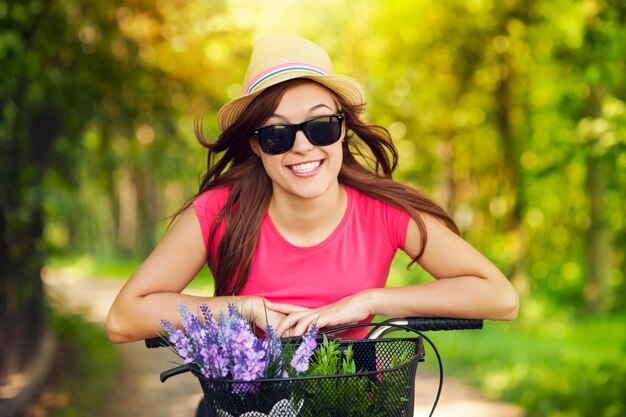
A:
{"points": [[377, 389]]}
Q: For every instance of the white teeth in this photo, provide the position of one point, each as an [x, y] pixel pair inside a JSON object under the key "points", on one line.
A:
{"points": [[308, 167]]}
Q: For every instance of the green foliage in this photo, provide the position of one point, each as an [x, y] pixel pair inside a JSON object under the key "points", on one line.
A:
{"points": [[90, 369], [550, 362], [511, 114], [500, 110], [356, 396], [329, 359]]}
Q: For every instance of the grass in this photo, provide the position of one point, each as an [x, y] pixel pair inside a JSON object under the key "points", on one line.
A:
{"points": [[550, 361], [117, 269], [554, 367], [86, 265], [83, 373]]}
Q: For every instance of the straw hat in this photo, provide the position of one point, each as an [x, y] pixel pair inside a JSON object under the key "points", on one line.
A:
{"points": [[284, 56]]}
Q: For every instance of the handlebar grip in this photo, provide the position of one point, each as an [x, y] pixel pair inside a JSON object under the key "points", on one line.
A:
{"points": [[155, 342], [443, 323]]}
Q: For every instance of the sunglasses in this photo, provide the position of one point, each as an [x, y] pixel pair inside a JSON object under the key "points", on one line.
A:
{"points": [[320, 131]]}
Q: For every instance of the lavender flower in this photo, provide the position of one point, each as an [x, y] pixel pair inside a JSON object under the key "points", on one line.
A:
{"points": [[214, 360], [230, 349], [168, 327], [273, 343], [300, 360], [179, 340], [209, 320], [275, 354]]}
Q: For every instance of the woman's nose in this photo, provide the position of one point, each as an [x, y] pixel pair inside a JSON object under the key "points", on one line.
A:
{"points": [[301, 143]]}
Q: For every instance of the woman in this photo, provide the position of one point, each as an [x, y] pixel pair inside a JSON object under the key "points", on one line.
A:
{"points": [[299, 219]]}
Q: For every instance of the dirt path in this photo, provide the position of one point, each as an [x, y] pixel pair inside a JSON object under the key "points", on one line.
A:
{"points": [[139, 392]]}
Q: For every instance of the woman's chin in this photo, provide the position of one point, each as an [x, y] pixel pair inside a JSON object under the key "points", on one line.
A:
{"points": [[308, 191]]}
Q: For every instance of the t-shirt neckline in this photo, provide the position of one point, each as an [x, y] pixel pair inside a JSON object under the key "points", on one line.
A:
{"points": [[275, 233]]}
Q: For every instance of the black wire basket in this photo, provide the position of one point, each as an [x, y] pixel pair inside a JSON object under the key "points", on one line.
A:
{"points": [[377, 389]]}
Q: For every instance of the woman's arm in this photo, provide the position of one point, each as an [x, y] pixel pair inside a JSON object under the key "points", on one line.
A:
{"points": [[153, 291], [467, 285]]}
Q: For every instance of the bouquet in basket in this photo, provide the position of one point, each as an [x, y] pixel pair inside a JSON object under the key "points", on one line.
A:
{"points": [[244, 375], [231, 350]]}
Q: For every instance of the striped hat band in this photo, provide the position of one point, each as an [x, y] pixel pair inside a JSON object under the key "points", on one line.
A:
{"points": [[281, 73]]}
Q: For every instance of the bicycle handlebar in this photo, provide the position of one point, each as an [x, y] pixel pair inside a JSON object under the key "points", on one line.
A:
{"points": [[155, 342], [423, 324], [415, 323], [442, 323]]}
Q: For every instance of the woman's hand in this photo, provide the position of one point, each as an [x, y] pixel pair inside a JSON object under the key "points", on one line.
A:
{"points": [[298, 320], [263, 315]]}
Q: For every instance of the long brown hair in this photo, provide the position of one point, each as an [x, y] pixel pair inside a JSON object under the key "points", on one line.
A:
{"points": [[368, 163]]}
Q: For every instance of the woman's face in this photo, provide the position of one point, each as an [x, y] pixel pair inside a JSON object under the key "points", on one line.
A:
{"points": [[305, 171]]}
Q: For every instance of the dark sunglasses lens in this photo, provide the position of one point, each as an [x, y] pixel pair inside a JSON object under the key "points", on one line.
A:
{"points": [[324, 130], [276, 139]]}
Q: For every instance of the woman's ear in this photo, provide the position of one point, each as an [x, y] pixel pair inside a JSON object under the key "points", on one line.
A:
{"points": [[254, 145]]}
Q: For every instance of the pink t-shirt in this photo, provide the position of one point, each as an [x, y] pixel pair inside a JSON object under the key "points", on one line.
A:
{"points": [[354, 257]]}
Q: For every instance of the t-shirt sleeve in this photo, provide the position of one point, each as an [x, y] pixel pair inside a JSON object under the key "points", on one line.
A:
{"points": [[397, 225], [207, 205]]}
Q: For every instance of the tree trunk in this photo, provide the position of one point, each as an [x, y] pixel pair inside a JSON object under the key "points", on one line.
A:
{"points": [[446, 189], [512, 178], [147, 209], [26, 141], [598, 240], [21, 236], [127, 226]]}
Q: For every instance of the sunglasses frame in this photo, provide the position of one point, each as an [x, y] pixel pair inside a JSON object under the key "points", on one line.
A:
{"points": [[295, 127]]}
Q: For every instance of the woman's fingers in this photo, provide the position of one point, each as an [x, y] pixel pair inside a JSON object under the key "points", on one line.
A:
{"points": [[269, 318], [285, 308], [291, 325], [297, 324], [300, 319], [305, 324]]}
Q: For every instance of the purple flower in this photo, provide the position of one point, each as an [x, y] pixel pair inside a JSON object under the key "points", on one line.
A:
{"points": [[189, 341], [300, 360], [214, 362], [273, 343], [248, 353], [191, 323], [230, 349], [168, 327], [274, 348], [179, 340]]}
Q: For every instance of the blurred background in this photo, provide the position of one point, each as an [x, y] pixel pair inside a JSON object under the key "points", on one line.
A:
{"points": [[510, 113]]}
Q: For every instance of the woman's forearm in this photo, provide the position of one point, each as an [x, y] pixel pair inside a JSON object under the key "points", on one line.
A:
{"points": [[462, 297], [135, 318]]}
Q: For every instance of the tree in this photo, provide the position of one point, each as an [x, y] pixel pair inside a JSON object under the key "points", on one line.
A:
{"points": [[74, 86], [602, 61]]}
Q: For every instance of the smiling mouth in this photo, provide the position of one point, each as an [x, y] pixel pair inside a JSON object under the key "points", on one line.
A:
{"points": [[306, 167]]}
